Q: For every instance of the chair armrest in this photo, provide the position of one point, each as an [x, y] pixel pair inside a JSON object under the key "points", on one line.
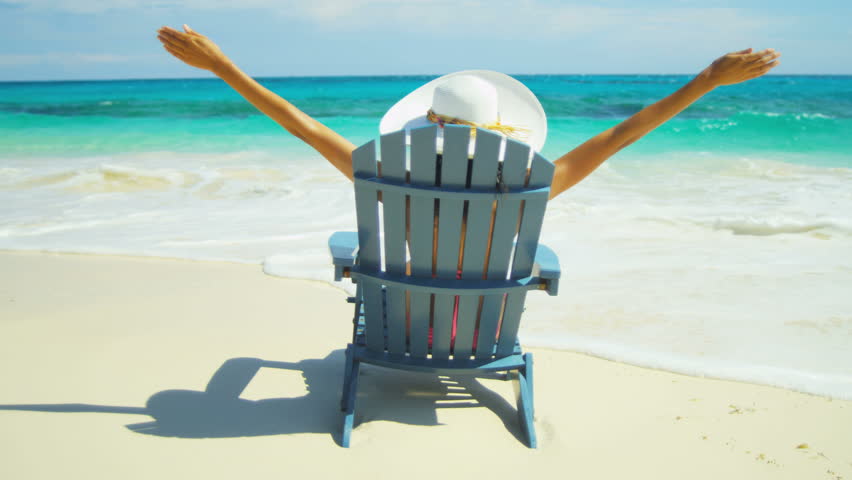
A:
{"points": [[343, 247], [546, 267]]}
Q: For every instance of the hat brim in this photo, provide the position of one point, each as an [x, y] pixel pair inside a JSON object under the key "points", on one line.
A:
{"points": [[517, 106]]}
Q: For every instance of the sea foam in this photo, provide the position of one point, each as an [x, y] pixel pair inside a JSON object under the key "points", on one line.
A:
{"points": [[719, 245], [726, 266]]}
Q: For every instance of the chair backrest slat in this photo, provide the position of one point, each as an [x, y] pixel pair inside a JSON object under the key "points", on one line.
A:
{"points": [[505, 226], [366, 208], [483, 175], [508, 209], [541, 174], [453, 174], [421, 220], [477, 236], [393, 207], [393, 203], [423, 167]]}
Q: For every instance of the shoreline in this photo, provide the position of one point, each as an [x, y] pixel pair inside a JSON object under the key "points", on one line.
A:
{"points": [[616, 353], [108, 361]]}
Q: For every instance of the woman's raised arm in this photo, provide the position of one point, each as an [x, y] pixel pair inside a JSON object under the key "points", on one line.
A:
{"points": [[732, 68], [199, 51]]}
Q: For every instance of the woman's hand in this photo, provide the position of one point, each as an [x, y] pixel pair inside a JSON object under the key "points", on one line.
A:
{"points": [[737, 67], [192, 48], [199, 51], [734, 67]]}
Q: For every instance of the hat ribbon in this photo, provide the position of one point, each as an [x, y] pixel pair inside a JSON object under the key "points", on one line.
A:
{"points": [[513, 131]]}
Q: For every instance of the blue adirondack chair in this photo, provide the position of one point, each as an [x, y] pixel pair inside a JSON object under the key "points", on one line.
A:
{"points": [[447, 313]]}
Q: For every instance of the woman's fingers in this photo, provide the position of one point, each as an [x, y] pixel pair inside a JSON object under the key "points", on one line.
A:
{"points": [[762, 69], [190, 31], [170, 32], [174, 47], [173, 36], [769, 66], [172, 44], [175, 53], [168, 39], [175, 42], [764, 56], [191, 47], [741, 66], [770, 54], [767, 63]]}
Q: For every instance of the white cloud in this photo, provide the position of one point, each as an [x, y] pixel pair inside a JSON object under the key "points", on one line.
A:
{"points": [[462, 18], [418, 12], [75, 6], [13, 60], [311, 8], [516, 18]]}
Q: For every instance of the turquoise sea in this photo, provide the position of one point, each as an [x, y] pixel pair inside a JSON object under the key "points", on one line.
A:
{"points": [[719, 245], [805, 119]]}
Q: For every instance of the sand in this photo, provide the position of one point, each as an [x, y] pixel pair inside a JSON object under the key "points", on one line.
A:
{"points": [[117, 367]]}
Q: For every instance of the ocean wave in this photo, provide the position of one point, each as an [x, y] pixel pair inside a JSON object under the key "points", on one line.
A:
{"points": [[834, 385], [796, 116], [790, 115], [697, 291], [166, 109], [592, 105], [785, 168], [766, 227], [134, 109], [197, 177], [110, 178]]}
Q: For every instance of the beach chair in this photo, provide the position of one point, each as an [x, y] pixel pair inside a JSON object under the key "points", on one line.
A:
{"points": [[448, 313]]}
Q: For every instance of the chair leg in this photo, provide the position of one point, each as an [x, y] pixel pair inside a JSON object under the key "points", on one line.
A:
{"points": [[349, 410], [528, 360], [525, 402], [347, 374], [359, 312]]}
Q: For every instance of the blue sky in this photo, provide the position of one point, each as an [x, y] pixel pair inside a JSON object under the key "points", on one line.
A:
{"points": [[97, 39]]}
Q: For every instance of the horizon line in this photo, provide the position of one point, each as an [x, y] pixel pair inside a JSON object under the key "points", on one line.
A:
{"points": [[266, 77]]}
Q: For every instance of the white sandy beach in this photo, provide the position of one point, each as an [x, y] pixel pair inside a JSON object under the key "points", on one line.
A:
{"points": [[105, 364]]}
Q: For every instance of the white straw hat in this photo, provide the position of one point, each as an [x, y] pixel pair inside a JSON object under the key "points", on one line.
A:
{"points": [[481, 97]]}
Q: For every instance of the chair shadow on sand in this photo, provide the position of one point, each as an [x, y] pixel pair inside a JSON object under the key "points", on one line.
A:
{"points": [[219, 412]]}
